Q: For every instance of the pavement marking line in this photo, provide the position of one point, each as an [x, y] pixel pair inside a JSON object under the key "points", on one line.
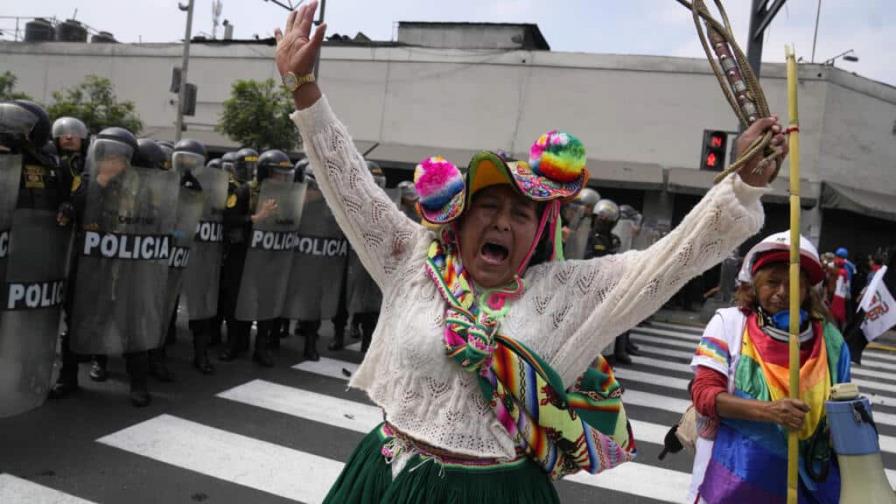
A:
{"points": [[360, 417], [686, 368], [15, 489], [356, 346], [873, 354], [865, 384], [321, 408], [882, 346], [231, 457], [649, 481], [692, 338], [328, 367], [693, 329]]}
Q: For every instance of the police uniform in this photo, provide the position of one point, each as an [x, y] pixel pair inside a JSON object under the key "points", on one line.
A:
{"points": [[237, 225]]}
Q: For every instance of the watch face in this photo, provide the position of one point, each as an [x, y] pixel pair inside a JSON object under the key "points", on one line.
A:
{"points": [[290, 81]]}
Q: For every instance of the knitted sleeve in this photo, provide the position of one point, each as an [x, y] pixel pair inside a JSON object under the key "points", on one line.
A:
{"points": [[379, 232], [604, 297]]}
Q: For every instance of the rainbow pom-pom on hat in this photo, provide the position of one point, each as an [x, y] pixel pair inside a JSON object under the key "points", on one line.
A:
{"points": [[558, 156], [441, 190]]}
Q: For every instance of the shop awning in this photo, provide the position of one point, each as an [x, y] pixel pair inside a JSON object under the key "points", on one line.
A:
{"points": [[860, 201], [697, 182]]}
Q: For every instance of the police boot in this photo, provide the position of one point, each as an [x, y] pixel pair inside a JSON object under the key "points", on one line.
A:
{"points": [[214, 330], [619, 353], [98, 370], [235, 330], [262, 355], [309, 330], [68, 375], [200, 353], [274, 338], [137, 365], [338, 342], [368, 324], [157, 366], [630, 347]]}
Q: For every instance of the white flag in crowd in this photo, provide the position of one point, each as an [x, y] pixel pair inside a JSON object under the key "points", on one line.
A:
{"points": [[879, 306]]}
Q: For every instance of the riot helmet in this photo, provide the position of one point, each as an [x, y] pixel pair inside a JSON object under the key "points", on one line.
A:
{"points": [[70, 134], [587, 197], [149, 154], [301, 167], [408, 191], [245, 164], [23, 124], [110, 153], [214, 163], [606, 214], [188, 155], [168, 149], [628, 212], [378, 175], [274, 164], [228, 162]]}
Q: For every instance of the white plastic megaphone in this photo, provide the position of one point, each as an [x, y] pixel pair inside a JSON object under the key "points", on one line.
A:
{"points": [[854, 435]]}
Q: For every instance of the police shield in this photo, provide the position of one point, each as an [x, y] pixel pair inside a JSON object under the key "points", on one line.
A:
{"points": [[189, 210], [579, 231], [319, 263], [200, 279], [123, 252], [363, 294], [31, 299], [263, 286], [10, 171]]}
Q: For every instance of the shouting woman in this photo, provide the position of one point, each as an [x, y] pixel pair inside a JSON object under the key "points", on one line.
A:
{"points": [[485, 359]]}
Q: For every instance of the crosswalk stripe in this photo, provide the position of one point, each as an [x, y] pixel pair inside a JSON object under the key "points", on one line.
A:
{"points": [[676, 327], [686, 368], [691, 338], [231, 457], [866, 384], [856, 370], [360, 417], [289, 400], [14, 489], [885, 358]]}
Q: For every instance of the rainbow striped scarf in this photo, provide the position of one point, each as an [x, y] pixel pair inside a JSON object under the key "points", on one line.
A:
{"points": [[749, 458], [566, 431]]}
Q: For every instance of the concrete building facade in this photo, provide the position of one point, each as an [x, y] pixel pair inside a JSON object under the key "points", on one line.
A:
{"points": [[641, 118]]}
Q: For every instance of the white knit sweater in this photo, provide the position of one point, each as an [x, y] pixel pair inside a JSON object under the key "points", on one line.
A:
{"points": [[570, 310]]}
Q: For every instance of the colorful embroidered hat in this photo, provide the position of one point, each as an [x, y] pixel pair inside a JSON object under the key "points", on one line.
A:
{"points": [[556, 170]]}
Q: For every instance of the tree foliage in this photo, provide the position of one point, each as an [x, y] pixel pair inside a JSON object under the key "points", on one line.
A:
{"points": [[257, 115], [7, 88], [94, 102]]}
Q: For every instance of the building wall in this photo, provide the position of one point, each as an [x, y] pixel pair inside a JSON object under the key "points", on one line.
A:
{"points": [[632, 108]]}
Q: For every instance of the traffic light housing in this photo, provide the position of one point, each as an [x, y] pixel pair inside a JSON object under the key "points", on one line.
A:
{"points": [[715, 147]]}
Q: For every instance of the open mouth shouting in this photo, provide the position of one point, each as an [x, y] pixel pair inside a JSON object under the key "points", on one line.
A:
{"points": [[494, 253]]}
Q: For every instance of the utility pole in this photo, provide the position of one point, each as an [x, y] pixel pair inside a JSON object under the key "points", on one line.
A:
{"points": [[815, 37], [182, 91], [320, 19], [761, 15]]}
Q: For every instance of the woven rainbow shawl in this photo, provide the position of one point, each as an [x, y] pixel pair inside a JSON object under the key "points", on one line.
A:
{"points": [[566, 431], [749, 458]]}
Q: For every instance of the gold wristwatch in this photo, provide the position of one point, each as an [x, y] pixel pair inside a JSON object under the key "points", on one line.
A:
{"points": [[292, 81]]}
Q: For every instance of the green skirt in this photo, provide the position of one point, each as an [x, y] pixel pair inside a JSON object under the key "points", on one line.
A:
{"points": [[367, 479]]}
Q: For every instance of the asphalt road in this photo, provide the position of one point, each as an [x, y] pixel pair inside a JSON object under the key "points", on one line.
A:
{"points": [[248, 434]]}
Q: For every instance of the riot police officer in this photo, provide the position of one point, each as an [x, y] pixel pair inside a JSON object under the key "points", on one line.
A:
{"points": [[237, 225], [275, 203], [70, 136], [408, 199], [604, 242], [34, 236], [577, 223]]}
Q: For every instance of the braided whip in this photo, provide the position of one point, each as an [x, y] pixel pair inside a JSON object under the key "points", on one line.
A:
{"points": [[739, 84]]}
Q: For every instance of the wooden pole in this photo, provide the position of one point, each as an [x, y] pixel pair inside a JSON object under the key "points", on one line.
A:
{"points": [[794, 364]]}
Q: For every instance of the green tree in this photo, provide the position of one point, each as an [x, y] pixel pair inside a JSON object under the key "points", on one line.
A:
{"points": [[94, 102], [7, 86], [257, 115]]}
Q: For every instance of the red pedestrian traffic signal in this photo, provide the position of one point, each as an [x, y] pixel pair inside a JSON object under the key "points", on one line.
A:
{"points": [[712, 153]]}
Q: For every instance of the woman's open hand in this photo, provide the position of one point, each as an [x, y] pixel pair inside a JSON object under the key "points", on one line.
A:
{"points": [[297, 50]]}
